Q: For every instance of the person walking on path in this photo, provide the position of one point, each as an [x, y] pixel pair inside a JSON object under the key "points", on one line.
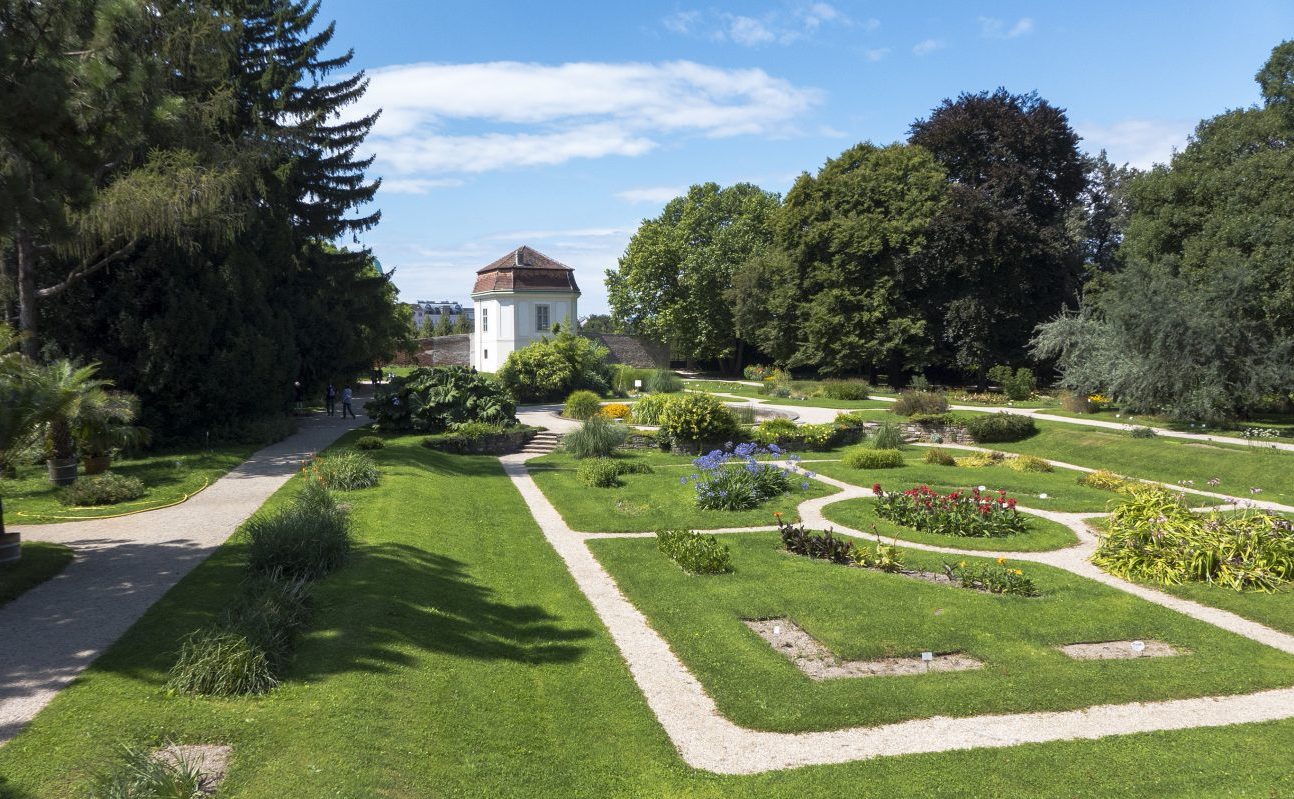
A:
{"points": [[346, 408], [330, 399]]}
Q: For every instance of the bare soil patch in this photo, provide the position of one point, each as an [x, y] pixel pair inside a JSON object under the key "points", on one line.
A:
{"points": [[210, 760], [1119, 650], [816, 661]]}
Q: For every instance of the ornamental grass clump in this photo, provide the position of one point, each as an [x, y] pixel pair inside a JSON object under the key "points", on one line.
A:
{"points": [[347, 470], [887, 435], [605, 472], [1107, 480], [648, 409], [1028, 463], [307, 539], [217, 661], [926, 402], [693, 552], [738, 479], [864, 458], [102, 489], [966, 514], [139, 774], [939, 457], [369, 443], [1155, 537], [598, 437], [845, 389]]}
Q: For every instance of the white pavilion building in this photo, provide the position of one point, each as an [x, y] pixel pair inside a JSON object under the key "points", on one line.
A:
{"points": [[518, 299]]}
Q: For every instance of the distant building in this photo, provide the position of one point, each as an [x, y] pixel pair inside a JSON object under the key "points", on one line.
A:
{"points": [[518, 299], [435, 309]]}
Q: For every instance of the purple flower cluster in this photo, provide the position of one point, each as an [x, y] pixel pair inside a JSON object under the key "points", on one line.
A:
{"points": [[741, 477]]}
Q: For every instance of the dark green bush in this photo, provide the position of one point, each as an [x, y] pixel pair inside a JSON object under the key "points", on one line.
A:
{"points": [[940, 457], [582, 405], [992, 427], [845, 389], [694, 417], [693, 552], [598, 437], [549, 369], [369, 443], [434, 400], [919, 383], [346, 470], [1017, 385], [605, 472], [864, 458], [1142, 432], [102, 489], [307, 539], [924, 402]]}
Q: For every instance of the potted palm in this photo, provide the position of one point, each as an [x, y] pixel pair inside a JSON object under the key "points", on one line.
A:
{"points": [[21, 412], [103, 427], [68, 391]]}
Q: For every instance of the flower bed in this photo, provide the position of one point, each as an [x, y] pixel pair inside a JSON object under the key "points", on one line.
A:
{"points": [[737, 478], [972, 514]]}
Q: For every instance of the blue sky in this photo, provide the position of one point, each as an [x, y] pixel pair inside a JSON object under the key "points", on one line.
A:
{"points": [[562, 125]]}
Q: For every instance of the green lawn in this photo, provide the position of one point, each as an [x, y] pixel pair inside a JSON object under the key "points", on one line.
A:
{"points": [[864, 614], [170, 477], [40, 561], [454, 657], [648, 502], [742, 390], [1165, 459], [1275, 610], [860, 514], [1282, 423], [1061, 486]]}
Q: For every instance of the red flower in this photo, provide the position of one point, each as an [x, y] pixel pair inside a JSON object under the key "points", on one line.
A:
{"points": [[876, 489]]}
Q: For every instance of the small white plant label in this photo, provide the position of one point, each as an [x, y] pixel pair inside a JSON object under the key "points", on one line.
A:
{"points": [[777, 630], [927, 656]]}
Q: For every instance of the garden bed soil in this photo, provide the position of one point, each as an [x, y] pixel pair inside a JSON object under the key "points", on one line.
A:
{"points": [[1118, 650], [210, 760], [818, 663]]}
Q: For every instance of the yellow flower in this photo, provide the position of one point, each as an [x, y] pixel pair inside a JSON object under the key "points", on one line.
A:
{"points": [[1017, 571], [1001, 560], [961, 565]]}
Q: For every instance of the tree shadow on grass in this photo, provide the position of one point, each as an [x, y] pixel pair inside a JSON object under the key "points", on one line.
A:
{"points": [[396, 600], [441, 463]]}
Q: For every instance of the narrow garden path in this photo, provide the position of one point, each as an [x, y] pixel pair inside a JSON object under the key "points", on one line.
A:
{"points": [[707, 740], [125, 564]]}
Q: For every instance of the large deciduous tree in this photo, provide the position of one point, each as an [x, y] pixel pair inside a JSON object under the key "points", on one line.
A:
{"points": [[671, 282]]}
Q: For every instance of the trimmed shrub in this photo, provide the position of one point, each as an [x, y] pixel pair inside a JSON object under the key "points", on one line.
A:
{"points": [[605, 472], [346, 470], [992, 427], [433, 400], [616, 410], [597, 438], [927, 402], [550, 368], [845, 389], [887, 436], [647, 410], [854, 420], [1142, 432], [307, 539], [369, 443], [864, 458], [940, 457], [694, 417], [102, 489], [215, 661], [1028, 463], [663, 381], [582, 405], [693, 552], [773, 431]]}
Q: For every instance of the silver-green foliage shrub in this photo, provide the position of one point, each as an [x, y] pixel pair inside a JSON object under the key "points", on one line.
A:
{"points": [[597, 438], [693, 552], [347, 470], [102, 489]]}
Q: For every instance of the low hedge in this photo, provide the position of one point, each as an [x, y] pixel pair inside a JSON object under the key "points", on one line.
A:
{"points": [[873, 459], [994, 427], [102, 489], [693, 552], [605, 472]]}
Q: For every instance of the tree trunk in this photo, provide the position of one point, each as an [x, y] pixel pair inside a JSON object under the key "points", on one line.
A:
{"points": [[741, 357], [981, 378], [27, 295]]}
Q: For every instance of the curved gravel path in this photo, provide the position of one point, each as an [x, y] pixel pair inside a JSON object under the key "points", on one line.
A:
{"points": [[707, 740], [122, 566]]}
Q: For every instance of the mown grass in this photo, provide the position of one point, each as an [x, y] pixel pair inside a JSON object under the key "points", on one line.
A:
{"points": [[648, 502], [40, 561], [1167, 460], [753, 392], [860, 514], [455, 657], [1282, 423], [1061, 486], [169, 476], [861, 614]]}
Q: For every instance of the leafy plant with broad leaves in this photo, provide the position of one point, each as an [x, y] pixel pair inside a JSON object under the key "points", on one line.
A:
{"points": [[431, 400]]}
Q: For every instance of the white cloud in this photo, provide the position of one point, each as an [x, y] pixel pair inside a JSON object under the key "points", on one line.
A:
{"points": [[876, 54], [991, 28], [651, 194], [928, 46], [748, 31], [681, 21], [871, 24], [781, 27], [443, 119], [1141, 143], [418, 186]]}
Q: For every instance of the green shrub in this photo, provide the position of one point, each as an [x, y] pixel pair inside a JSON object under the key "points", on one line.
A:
{"points": [[434, 400], [981, 459], [102, 489], [1028, 463], [854, 420], [992, 427], [137, 774], [774, 431], [663, 381], [919, 383], [597, 438], [1142, 432], [582, 405], [940, 457], [865, 458], [996, 578], [270, 613], [605, 472], [693, 552], [694, 417], [346, 470], [369, 443], [307, 539], [755, 372], [926, 402], [472, 431], [1155, 537], [215, 661], [551, 368], [1018, 384], [647, 410], [845, 389], [887, 435]]}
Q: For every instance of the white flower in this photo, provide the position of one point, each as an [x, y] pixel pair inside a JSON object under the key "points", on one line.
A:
{"points": [[1042, 496], [983, 488]]}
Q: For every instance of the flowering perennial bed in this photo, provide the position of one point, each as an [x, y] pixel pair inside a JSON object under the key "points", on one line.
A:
{"points": [[971, 514], [740, 477]]}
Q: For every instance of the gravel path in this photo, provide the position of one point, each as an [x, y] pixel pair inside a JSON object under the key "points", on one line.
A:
{"points": [[124, 565], [707, 740]]}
